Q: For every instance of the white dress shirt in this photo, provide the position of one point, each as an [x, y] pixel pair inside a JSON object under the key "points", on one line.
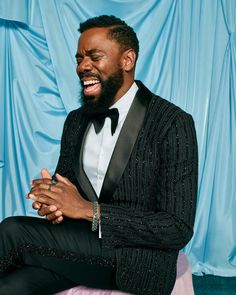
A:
{"points": [[98, 148]]}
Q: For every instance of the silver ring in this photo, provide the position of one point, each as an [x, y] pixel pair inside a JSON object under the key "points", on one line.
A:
{"points": [[54, 181]]}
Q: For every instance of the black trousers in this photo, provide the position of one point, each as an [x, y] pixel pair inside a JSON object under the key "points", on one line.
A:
{"points": [[37, 257]]}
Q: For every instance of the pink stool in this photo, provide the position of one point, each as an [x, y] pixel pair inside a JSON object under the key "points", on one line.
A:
{"points": [[183, 284]]}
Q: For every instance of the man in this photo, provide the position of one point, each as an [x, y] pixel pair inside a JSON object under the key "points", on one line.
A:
{"points": [[124, 191]]}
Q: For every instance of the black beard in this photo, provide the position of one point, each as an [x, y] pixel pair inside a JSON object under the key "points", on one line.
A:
{"points": [[106, 99]]}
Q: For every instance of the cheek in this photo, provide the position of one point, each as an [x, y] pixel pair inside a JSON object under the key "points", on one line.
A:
{"points": [[77, 70], [106, 72]]}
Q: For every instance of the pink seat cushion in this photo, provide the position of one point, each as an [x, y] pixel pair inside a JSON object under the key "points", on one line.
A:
{"points": [[81, 290], [183, 284]]}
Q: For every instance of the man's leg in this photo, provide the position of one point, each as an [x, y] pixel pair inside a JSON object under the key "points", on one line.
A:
{"points": [[70, 249], [31, 280]]}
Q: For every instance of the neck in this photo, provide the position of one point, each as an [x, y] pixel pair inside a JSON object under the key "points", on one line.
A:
{"points": [[124, 88]]}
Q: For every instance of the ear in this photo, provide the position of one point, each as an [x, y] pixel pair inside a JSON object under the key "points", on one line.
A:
{"points": [[128, 60]]}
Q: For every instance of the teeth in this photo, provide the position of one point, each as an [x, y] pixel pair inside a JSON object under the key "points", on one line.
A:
{"points": [[90, 82]]}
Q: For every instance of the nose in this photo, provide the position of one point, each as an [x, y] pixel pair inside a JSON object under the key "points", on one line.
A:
{"points": [[85, 65]]}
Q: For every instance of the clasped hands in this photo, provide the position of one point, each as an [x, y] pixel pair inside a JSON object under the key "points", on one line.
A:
{"points": [[57, 200]]}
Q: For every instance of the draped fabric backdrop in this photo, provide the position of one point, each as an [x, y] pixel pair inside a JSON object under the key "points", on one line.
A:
{"points": [[187, 55]]}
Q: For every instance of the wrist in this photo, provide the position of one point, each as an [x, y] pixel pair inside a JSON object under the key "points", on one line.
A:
{"points": [[89, 211]]}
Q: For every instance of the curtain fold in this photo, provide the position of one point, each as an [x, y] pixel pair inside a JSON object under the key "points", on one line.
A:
{"points": [[24, 11], [229, 91], [187, 55]]}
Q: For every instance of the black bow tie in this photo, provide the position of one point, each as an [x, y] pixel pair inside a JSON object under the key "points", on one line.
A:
{"points": [[99, 120]]}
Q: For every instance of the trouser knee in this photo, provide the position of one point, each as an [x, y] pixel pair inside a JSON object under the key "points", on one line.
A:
{"points": [[6, 289], [9, 222], [10, 228], [11, 237]]}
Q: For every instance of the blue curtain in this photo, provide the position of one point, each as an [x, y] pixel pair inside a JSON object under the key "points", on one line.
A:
{"points": [[187, 55]]}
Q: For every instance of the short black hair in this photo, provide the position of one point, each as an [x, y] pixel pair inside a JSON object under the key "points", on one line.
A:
{"points": [[119, 31]]}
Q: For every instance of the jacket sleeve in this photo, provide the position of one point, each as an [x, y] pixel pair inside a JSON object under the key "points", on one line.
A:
{"points": [[65, 161], [170, 224]]}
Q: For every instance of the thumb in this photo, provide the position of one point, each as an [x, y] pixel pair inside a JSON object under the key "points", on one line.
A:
{"points": [[45, 173], [63, 179]]}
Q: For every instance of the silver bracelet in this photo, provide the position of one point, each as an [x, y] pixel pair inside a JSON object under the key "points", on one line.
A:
{"points": [[95, 216]]}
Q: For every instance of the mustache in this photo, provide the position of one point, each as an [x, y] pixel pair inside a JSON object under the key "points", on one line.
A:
{"points": [[89, 74]]}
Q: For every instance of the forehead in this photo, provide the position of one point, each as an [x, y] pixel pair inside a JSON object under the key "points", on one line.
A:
{"points": [[96, 38]]}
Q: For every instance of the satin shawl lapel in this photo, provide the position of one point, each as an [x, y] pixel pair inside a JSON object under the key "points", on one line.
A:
{"points": [[86, 188], [126, 141]]}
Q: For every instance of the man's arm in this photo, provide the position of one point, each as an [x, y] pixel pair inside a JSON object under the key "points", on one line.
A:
{"points": [[170, 224]]}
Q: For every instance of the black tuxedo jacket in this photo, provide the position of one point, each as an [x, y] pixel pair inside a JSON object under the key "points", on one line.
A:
{"points": [[148, 197]]}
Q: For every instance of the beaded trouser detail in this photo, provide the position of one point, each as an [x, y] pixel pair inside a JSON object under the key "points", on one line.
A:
{"points": [[72, 241], [15, 257]]}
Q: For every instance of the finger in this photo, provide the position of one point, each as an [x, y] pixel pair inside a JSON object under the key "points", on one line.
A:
{"points": [[55, 188], [41, 198], [55, 215], [39, 181], [38, 191], [58, 220], [45, 210], [42, 209], [45, 173], [45, 186], [27, 195], [43, 206], [36, 205], [63, 179]]}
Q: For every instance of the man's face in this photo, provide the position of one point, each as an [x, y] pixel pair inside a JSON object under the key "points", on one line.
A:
{"points": [[99, 67]]}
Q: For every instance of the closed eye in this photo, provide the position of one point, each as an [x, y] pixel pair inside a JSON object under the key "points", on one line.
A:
{"points": [[96, 57], [79, 60]]}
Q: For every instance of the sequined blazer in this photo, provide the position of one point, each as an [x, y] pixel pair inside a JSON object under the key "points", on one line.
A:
{"points": [[148, 197]]}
